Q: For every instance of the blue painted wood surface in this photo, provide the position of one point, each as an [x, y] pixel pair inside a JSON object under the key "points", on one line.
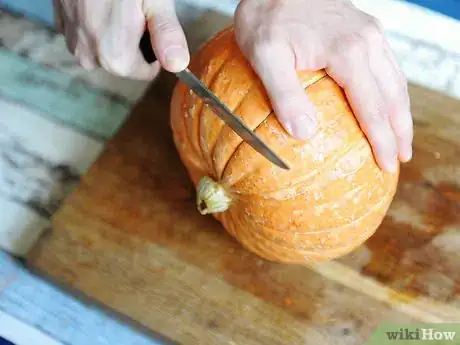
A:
{"points": [[37, 9], [449, 8], [61, 97], [3, 341], [71, 321]]}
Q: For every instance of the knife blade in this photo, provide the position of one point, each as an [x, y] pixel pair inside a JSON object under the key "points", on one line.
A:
{"points": [[218, 107]]}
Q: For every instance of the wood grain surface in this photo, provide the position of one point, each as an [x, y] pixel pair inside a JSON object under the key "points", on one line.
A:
{"points": [[130, 238]]}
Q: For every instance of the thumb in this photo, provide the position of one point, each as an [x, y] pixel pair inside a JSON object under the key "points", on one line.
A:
{"points": [[166, 34], [276, 68]]}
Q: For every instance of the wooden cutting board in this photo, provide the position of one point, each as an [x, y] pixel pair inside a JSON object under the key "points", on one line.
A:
{"points": [[130, 238]]}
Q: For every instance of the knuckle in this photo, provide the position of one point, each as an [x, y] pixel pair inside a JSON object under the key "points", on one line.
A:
{"points": [[265, 41], [406, 133], [396, 96], [87, 62], [241, 13], [379, 117], [257, 36], [113, 60], [114, 65], [384, 142], [375, 120], [356, 44], [120, 70], [168, 25], [379, 130], [266, 34], [350, 48], [244, 23], [404, 126], [372, 31], [82, 57]]}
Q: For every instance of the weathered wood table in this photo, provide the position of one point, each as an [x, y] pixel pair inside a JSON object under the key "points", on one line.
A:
{"points": [[131, 239]]}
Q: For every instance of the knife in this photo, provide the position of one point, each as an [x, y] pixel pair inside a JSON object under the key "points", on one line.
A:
{"points": [[219, 108]]}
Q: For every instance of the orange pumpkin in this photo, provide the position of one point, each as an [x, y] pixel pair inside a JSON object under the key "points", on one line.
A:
{"points": [[331, 200]]}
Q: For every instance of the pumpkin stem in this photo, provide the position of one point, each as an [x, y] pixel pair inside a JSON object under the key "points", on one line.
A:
{"points": [[211, 197]]}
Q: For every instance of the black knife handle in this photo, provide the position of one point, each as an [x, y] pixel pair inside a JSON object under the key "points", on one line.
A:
{"points": [[145, 46]]}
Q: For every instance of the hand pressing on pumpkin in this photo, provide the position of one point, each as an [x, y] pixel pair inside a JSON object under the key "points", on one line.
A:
{"points": [[281, 36], [107, 33]]}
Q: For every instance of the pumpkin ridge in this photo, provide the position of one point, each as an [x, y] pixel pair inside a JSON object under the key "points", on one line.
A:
{"points": [[305, 85], [204, 50], [298, 194], [234, 110], [255, 240], [197, 129], [356, 189], [226, 218], [224, 125], [272, 113], [304, 251], [335, 229], [238, 138], [207, 153], [201, 108], [312, 177], [259, 236], [236, 149], [179, 130], [183, 122], [303, 178]]}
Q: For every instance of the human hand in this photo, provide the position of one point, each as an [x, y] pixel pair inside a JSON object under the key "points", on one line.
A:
{"points": [[350, 45], [106, 33]]}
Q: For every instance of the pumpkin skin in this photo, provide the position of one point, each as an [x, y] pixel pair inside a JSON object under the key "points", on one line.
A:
{"points": [[331, 200]]}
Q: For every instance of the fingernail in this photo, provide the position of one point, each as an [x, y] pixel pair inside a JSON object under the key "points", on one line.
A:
{"points": [[176, 58], [406, 154], [301, 127]]}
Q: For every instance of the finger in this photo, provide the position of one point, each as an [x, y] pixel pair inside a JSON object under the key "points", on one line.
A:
{"points": [[118, 49], [85, 57], [395, 94], [71, 37], [167, 37], [65, 25], [352, 71], [275, 66], [84, 51], [58, 16], [391, 55]]}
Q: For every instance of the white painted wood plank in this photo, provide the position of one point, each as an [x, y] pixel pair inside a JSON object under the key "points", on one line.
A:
{"points": [[40, 164], [19, 333]]}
